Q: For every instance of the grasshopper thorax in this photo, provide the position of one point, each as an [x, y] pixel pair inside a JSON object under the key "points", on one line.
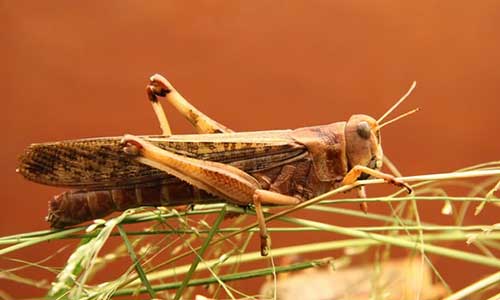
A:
{"points": [[363, 146]]}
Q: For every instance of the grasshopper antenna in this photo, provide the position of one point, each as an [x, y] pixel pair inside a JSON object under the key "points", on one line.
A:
{"points": [[414, 84], [399, 117]]}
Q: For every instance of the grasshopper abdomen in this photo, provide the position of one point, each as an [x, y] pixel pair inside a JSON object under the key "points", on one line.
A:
{"points": [[75, 207]]}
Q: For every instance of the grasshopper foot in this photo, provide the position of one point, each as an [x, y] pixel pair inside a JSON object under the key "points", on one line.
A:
{"points": [[158, 86], [400, 183], [356, 171]]}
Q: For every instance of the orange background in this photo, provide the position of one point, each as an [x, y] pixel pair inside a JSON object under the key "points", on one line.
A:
{"points": [[78, 69]]}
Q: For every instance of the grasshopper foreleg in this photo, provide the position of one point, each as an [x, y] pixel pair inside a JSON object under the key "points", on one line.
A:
{"points": [[159, 86], [224, 181], [356, 171]]}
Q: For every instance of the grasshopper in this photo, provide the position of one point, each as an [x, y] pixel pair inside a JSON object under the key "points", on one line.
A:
{"points": [[278, 167]]}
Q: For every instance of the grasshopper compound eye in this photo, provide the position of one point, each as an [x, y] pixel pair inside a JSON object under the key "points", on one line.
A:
{"points": [[364, 130]]}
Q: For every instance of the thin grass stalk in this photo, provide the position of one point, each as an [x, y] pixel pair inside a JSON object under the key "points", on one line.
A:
{"points": [[495, 297], [349, 212], [82, 259], [227, 259], [492, 280], [200, 253], [452, 253], [298, 229], [360, 214], [48, 237], [136, 262], [231, 277], [410, 198]]}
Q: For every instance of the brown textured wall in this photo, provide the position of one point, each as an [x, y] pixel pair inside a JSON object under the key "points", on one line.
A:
{"points": [[78, 69]]}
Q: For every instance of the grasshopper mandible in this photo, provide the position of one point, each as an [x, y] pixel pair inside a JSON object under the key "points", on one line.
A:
{"points": [[278, 167]]}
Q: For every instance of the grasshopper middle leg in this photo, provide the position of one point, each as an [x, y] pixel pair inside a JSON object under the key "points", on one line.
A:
{"points": [[224, 181]]}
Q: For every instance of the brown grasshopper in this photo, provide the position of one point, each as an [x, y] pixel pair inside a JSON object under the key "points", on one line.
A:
{"points": [[278, 167]]}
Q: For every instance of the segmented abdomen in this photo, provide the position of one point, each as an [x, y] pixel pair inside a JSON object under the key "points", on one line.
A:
{"points": [[74, 207]]}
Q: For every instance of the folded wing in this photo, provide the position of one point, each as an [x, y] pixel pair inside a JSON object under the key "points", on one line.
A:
{"points": [[100, 163]]}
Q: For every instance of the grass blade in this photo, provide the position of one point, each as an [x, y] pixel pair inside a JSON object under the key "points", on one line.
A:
{"points": [[491, 280], [137, 264], [230, 277], [199, 255]]}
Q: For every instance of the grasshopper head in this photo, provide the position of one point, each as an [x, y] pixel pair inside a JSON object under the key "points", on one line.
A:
{"points": [[363, 145], [362, 136]]}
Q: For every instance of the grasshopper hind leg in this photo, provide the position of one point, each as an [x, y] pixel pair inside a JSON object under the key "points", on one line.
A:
{"points": [[224, 181], [160, 86]]}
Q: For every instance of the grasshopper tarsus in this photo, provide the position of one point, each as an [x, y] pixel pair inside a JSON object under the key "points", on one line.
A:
{"points": [[400, 183], [158, 86]]}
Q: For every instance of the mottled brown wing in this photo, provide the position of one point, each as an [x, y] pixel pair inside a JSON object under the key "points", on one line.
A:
{"points": [[100, 163]]}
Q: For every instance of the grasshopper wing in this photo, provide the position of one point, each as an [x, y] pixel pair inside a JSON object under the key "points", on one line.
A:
{"points": [[100, 163]]}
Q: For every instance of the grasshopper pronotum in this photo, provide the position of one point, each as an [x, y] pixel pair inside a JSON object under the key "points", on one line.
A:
{"points": [[278, 167]]}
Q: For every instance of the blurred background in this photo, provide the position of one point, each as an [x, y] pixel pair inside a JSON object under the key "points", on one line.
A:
{"points": [[78, 69]]}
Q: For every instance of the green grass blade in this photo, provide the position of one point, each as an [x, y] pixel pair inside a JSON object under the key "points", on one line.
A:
{"points": [[137, 264], [230, 277], [199, 255], [51, 236], [452, 253], [492, 280]]}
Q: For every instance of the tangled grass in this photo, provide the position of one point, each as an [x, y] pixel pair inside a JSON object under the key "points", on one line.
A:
{"points": [[168, 252]]}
